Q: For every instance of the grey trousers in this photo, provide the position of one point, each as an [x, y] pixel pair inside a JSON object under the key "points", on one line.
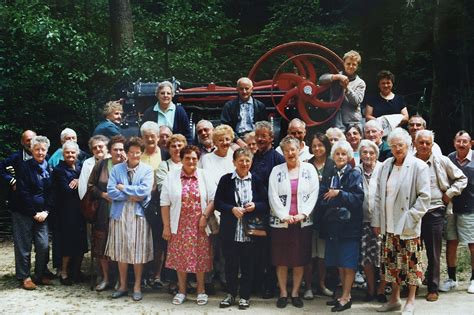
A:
{"points": [[27, 231]]}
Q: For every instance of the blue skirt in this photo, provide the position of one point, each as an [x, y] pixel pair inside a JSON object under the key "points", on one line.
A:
{"points": [[343, 253]]}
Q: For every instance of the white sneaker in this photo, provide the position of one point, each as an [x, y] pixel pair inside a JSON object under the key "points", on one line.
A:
{"points": [[308, 295], [471, 287], [448, 285], [359, 279]]}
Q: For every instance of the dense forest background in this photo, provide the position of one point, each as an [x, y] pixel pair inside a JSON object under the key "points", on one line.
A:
{"points": [[61, 60]]}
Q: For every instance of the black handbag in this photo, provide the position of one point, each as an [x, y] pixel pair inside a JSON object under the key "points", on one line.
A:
{"points": [[337, 214], [152, 210]]}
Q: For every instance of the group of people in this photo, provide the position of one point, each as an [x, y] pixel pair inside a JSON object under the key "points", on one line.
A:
{"points": [[234, 207]]}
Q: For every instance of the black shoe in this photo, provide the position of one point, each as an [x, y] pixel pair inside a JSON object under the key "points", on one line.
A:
{"points": [[229, 300], [339, 308], [381, 298], [210, 289], [332, 302], [65, 281], [49, 274], [297, 301], [268, 294], [155, 284], [173, 289], [370, 297], [282, 302]]}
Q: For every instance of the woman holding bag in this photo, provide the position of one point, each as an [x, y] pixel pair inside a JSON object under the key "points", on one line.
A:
{"points": [[185, 207], [239, 196]]}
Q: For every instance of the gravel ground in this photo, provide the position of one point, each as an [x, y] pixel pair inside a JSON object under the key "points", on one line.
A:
{"points": [[76, 299]]}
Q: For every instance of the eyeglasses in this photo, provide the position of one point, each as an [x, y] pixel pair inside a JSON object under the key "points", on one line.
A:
{"points": [[397, 146]]}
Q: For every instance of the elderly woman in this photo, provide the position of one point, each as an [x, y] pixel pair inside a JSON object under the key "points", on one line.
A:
{"points": [[334, 135], [150, 132], [386, 103], [215, 165], [175, 143], [109, 127], [165, 112], [71, 226], [98, 147], [251, 141], [401, 199], [185, 207], [353, 88], [293, 192], [67, 134], [219, 162], [353, 136], [129, 239], [323, 164], [340, 199], [240, 196], [29, 224], [370, 242], [98, 185]]}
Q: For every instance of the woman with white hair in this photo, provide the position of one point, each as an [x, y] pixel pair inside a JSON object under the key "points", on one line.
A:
{"points": [[292, 193], [401, 200], [30, 224], [340, 199], [370, 242], [71, 226], [334, 135], [165, 112], [67, 134]]}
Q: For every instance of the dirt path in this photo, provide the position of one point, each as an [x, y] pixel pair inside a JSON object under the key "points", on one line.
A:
{"points": [[77, 299]]}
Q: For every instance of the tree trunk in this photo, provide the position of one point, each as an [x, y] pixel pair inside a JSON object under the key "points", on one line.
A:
{"points": [[121, 25]]}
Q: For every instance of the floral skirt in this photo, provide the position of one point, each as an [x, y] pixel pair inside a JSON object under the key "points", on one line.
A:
{"points": [[370, 246], [402, 260]]}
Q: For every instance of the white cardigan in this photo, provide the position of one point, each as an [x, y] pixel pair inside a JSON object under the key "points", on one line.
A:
{"points": [[412, 201], [171, 193], [279, 193]]}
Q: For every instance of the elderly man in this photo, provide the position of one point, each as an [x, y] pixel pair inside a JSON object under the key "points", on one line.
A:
{"points": [[415, 124], [204, 129], [297, 129], [447, 181], [67, 134], [109, 127], [263, 162], [460, 227], [163, 136], [243, 112], [373, 131]]}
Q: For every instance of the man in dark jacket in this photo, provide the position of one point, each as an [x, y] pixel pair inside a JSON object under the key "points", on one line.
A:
{"points": [[243, 112], [10, 167]]}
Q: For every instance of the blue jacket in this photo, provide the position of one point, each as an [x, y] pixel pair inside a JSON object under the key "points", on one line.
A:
{"points": [[224, 200], [351, 196], [180, 124], [140, 187], [33, 190], [231, 112], [106, 128]]}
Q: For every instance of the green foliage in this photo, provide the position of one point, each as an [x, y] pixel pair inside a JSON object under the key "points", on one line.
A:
{"points": [[57, 70]]}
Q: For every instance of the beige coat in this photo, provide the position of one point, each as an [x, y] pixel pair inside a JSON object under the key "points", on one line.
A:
{"points": [[412, 200]]}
